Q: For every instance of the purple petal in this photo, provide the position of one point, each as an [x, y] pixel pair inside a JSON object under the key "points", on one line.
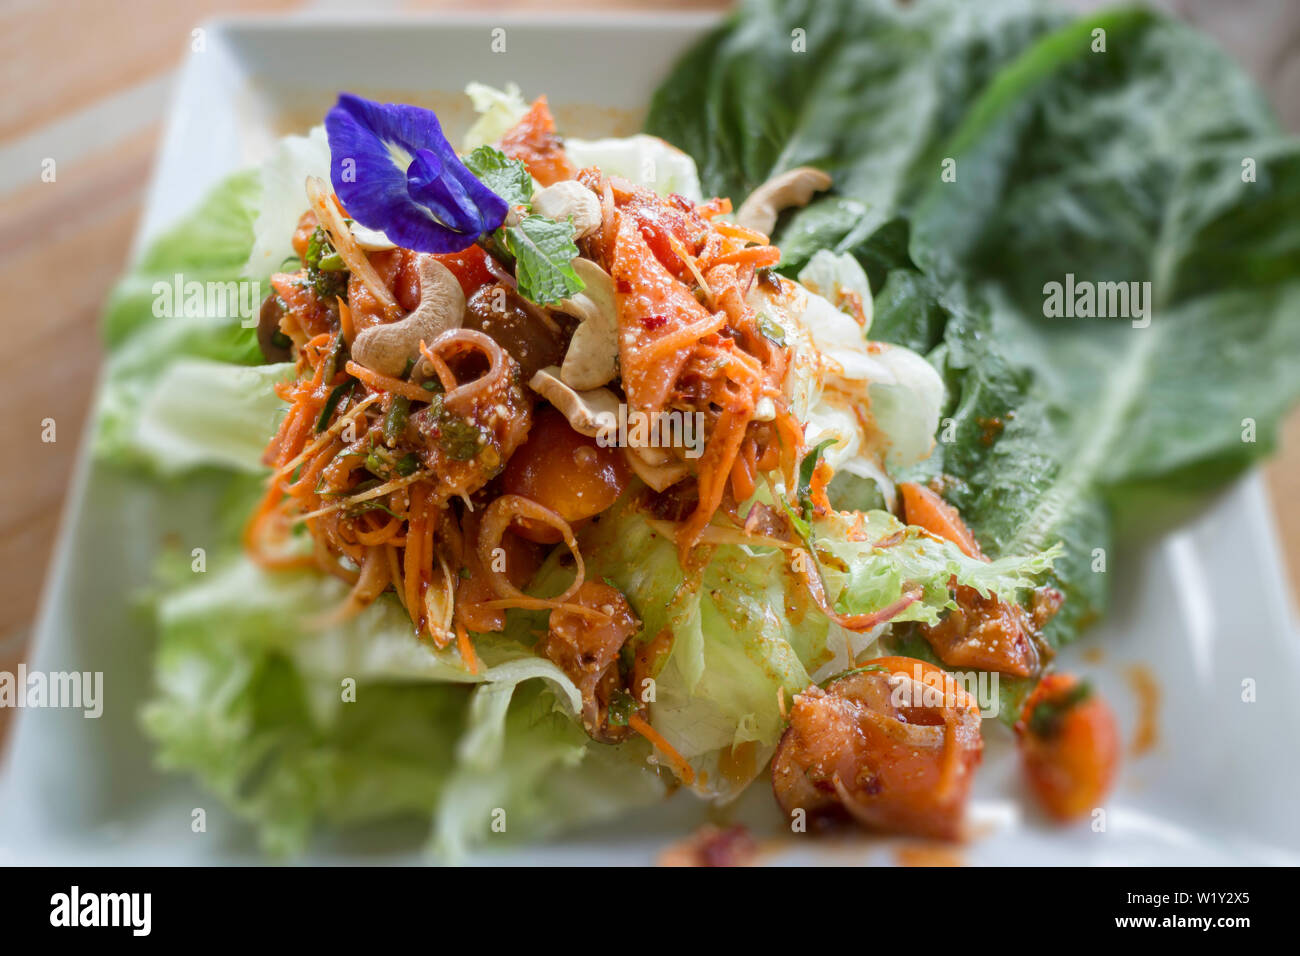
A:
{"points": [[395, 171], [430, 186]]}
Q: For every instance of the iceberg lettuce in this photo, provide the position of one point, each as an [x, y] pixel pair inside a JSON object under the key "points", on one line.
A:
{"points": [[747, 629]]}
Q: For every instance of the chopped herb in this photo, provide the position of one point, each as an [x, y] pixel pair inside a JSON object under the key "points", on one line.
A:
{"points": [[461, 440], [332, 403], [378, 464], [1047, 716], [336, 360], [807, 468], [407, 464], [622, 707], [395, 420], [374, 504], [327, 279], [464, 573], [852, 671]]}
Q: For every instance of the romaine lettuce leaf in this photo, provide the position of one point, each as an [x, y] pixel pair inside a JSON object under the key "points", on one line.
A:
{"points": [[982, 151]]}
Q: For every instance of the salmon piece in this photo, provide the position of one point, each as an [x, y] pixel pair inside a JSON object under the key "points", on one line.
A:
{"points": [[534, 141]]}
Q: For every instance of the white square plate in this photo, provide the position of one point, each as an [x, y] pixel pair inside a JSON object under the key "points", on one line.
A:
{"points": [[1203, 610]]}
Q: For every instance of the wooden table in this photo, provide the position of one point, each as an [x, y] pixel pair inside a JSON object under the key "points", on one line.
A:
{"points": [[98, 115]]}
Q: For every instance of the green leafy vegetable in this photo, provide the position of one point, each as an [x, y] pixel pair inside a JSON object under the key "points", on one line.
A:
{"points": [[395, 420], [544, 251], [1048, 714], [748, 628], [326, 272], [980, 154], [508, 178], [807, 468], [622, 706], [332, 402], [247, 690]]}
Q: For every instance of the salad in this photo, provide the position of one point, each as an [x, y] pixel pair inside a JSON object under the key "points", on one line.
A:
{"points": [[555, 477]]}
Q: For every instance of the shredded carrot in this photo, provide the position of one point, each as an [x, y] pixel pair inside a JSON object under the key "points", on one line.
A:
{"points": [[757, 256], [466, 648], [345, 322], [440, 368], [386, 383], [381, 535], [715, 469], [411, 568], [743, 484], [680, 338], [733, 231], [684, 771]]}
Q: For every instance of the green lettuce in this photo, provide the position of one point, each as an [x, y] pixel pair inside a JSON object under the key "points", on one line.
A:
{"points": [[747, 630], [295, 724], [983, 151]]}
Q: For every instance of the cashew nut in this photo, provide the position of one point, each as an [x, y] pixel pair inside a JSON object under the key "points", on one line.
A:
{"points": [[589, 412], [387, 348], [569, 199], [661, 473], [794, 187], [591, 359], [595, 411]]}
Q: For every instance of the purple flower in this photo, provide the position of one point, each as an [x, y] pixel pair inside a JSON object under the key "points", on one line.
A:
{"points": [[395, 172]]}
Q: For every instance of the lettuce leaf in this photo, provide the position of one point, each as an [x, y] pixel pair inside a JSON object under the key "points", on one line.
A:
{"points": [[201, 412], [211, 244], [1154, 160], [747, 630], [249, 691], [295, 725]]}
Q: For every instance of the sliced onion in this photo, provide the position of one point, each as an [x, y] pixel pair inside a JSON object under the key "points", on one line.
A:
{"points": [[345, 244]]}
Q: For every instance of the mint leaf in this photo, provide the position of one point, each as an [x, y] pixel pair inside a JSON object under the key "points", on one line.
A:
{"points": [[508, 178], [544, 251]]}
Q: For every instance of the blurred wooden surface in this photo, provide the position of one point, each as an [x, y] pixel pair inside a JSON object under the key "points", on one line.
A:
{"points": [[98, 114]]}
